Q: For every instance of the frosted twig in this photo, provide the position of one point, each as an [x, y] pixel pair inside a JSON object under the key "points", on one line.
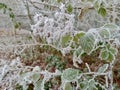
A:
{"points": [[88, 67]]}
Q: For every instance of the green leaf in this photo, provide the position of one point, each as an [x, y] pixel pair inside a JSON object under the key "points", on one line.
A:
{"points": [[113, 50], [113, 29], [10, 9], [1, 5], [35, 77], [110, 26], [78, 51], [17, 25], [59, 1], [87, 42], [36, 69], [84, 85], [70, 74], [78, 36], [92, 85], [67, 86], [108, 54], [12, 15], [111, 56], [19, 87], [97, 4], [66, 39], [77, 56], [102, 11], [103, 68], [69, 8], [104, 54], [37, 85], [104, 33]]}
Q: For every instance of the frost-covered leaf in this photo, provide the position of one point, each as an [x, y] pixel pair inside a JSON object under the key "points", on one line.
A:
{"points": [[37, 85], [92, 85], [35, 77], [111, 56], [87, 42], [103, 68], [78, 36], [77, 52], [66, 39], [70, 74], [104, 33], [113, 50], [67, 86], [88, 85], [104, 54], [77, 56], [84, 85], [36, 69], [111, 27], [108, 54], [97, 4]]}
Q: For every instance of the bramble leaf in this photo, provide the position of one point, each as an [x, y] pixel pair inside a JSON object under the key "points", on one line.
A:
{"points": [[78, 36], [104, 33], [70, 74], [111, 26], [111, 56], [66, 39], [67, 86], [104, 54], [103, 68], [87, 42], [35, 77], [37, 85]]}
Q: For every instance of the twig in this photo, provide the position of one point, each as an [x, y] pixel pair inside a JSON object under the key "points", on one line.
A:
{"points": [[88, 67], [28, 45]]}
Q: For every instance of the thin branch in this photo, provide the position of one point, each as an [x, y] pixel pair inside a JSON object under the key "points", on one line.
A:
{"points": [[43, 3], [28, 45]]}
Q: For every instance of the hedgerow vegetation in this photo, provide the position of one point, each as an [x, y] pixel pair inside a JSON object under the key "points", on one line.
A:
{"points": [[72, 45]]}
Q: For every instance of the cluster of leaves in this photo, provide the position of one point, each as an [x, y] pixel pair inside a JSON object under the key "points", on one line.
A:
{"points": [[59, 32], [60, 28], [80, 42], [55, 62]]}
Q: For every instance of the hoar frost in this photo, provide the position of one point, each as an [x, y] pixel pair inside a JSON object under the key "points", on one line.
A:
{"points": [[52, 29]]}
